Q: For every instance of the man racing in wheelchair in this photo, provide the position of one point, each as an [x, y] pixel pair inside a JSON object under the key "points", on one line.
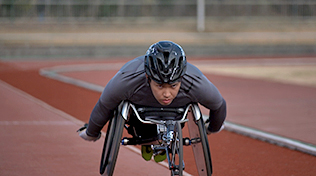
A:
{"points": [[160, 78]]}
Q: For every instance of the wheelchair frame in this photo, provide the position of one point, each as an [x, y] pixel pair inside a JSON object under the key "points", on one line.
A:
{"points": [[169, 137]]}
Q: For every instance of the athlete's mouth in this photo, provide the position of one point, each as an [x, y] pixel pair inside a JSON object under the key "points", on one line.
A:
{"points": [[166, 101]]}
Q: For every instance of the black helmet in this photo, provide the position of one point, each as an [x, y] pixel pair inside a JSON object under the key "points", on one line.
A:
{"points": [[165, 62]]}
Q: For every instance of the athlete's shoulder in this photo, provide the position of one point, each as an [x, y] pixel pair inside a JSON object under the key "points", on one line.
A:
{"points": [[127, 79], [134, 65], [192, 70]]}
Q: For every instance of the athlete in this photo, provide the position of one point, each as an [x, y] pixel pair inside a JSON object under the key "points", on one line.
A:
{"points": [[160, 78]]}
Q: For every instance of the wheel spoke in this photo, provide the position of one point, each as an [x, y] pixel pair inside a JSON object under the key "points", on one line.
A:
{"points": [[177, 152]]}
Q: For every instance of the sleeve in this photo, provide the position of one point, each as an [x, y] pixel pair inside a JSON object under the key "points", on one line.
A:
{"points": [[209, 96], [114, 92], [217, 117]]}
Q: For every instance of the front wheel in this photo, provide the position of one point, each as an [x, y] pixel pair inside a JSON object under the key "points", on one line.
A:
{"points": [[205, 146], [177, 164], [111, 145]]}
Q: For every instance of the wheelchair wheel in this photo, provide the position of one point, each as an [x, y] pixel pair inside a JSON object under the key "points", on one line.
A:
{"points": [[111, 145], [177, 151], [205, 146]]}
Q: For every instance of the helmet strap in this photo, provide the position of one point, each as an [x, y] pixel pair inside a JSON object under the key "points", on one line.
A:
{"points": [[148, 79]]}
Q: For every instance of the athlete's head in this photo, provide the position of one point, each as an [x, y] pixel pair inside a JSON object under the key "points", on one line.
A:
{"points": [[165, 62]]}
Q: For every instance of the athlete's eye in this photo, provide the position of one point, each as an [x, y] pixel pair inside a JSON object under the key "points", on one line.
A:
{"points": [[174, 85]]}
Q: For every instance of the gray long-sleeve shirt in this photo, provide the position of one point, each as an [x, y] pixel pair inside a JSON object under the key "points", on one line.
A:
{"points": [[130, 83]]}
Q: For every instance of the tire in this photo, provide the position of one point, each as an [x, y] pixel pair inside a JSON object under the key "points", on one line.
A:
{"points": [[177, 151], [205, 146], [111, 145]]}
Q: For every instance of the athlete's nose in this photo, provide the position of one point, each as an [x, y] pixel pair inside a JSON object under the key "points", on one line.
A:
{"points": [[166, 93]]}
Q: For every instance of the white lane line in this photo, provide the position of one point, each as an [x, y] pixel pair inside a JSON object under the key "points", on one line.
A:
{"points": [[73, 81], [84, 67], [52, 72], [8, 123]]}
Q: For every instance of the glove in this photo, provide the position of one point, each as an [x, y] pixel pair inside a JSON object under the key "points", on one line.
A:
{"points": [[83, 134], [207, 123]]}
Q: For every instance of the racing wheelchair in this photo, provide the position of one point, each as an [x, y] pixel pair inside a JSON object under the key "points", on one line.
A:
{"points": [[163, 128]]}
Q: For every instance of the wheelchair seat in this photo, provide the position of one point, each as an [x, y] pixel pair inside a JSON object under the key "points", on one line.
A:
{"points": [[150, 113]]}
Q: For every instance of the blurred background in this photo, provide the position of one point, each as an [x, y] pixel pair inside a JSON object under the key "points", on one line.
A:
{"points": [[119, 28], [262, 30]]}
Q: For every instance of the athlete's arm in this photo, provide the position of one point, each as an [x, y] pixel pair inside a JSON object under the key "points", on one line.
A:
{"points": [[217, 118], [118, 89], [209, 96]]}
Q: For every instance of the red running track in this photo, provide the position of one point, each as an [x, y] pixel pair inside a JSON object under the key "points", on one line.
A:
{"points": [[40, 139]]}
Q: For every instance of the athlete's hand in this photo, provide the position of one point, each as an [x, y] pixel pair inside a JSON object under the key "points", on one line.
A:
{"points": [[83, 134], [207, 123]]}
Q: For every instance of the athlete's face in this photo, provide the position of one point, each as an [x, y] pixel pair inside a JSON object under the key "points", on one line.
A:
{"points": [[165, 93]]}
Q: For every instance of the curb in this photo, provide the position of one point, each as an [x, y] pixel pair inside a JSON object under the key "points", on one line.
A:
{"points": [[271, 138]]}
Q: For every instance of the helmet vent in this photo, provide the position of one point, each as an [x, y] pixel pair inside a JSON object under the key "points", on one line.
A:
{"points": [[166, 56]]}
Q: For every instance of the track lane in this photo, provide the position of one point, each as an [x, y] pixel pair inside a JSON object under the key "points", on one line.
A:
{"points": [[232, 154]]}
